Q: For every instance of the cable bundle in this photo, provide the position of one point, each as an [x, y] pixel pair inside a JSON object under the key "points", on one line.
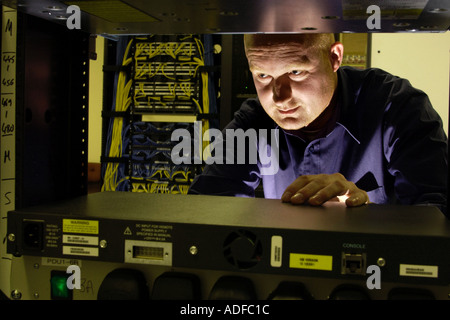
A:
{"points": [[114, 172], [167, 75]]}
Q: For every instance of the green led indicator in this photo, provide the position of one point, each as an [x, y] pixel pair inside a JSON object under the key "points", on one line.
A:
{"points": [[59, 288]]}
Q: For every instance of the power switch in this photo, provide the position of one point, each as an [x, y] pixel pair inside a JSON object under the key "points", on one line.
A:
{"points": [[58, 286]]}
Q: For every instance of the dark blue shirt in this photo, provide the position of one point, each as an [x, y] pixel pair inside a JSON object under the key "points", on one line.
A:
{"points": [[387, 139]]}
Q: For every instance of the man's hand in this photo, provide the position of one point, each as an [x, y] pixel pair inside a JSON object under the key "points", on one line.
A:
{"points": [[318, 189]]}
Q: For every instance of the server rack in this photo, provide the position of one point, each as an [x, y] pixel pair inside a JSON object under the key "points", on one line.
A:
{"points": [[164, 83], [52, 112]]}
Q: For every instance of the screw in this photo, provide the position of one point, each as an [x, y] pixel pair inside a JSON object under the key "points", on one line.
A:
{"points": [[16, 294], [103, 244], [193, 250], [381, 262], [36, 266], [11, 237], [36, 295]]}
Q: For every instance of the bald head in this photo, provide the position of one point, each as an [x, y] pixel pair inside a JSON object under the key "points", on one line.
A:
{"points": [[321, 41]]}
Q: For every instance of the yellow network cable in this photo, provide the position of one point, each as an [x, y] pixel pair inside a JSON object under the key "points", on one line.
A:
{"points": [[205, 102], [157, 50], [138, 187], [123, 101], [184, 189]]}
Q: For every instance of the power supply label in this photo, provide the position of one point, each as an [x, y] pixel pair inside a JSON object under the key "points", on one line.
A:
{"points": [[80, 226], [310, 261], [154, 232]]}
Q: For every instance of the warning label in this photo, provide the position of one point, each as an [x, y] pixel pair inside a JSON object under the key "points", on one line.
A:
{"points": [[80, 226]]}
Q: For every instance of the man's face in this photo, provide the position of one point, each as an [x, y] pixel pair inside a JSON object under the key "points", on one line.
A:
{"points": [[294, 81]]}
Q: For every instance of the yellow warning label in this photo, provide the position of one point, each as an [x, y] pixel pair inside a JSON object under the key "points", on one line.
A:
{"points": [[80, 226], [310, 261]]}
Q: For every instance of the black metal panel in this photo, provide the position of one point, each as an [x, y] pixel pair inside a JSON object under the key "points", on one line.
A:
{"points": [[237, 16], [52, 112]]}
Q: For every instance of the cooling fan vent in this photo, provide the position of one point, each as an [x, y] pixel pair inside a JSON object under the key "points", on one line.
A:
{"points": [[242, 249]]}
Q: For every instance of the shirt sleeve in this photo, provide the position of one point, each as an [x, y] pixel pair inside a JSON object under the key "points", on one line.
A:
{"points": [[415, 147]]}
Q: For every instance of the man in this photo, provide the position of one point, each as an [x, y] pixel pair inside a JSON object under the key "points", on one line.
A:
{"points": [[359, 136]]}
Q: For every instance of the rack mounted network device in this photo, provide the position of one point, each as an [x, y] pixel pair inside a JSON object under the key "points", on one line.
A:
{"points": [[206, 238]]}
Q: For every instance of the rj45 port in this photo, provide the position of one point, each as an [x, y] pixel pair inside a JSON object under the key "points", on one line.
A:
{"points": [[354, 263]]}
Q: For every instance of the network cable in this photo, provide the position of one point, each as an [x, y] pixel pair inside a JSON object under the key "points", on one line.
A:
{"points": [[168, 77]]}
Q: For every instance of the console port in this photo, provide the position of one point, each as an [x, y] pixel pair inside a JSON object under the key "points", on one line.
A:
{"points": [[353, 263], [33, 234]]}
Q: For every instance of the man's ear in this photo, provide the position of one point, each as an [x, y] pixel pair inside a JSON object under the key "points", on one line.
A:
{"points": [[336, 55]]}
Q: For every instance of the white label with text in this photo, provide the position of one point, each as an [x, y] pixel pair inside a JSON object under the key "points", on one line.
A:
{"points": [[80, 251], [411, 270], [77, 239]]}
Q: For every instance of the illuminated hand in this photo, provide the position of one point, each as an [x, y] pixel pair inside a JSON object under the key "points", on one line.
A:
{"points": [[318, 189]]}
